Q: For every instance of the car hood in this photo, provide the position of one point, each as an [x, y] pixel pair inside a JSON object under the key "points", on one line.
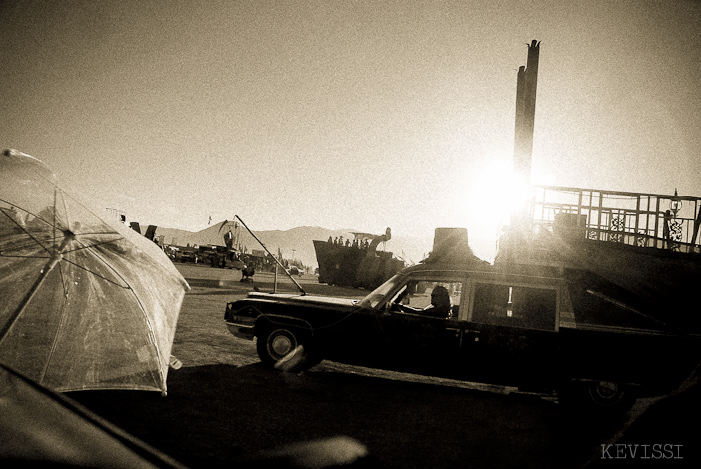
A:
{"points": [[308, 300]]}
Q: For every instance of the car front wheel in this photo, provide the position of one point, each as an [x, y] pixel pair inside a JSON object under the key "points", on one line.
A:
{"points": [[279, 343]]}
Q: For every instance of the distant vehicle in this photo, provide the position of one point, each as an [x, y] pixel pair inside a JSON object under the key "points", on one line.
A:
{"points": [[171, 251], [188, 256], [294, 270], [515, 327]]}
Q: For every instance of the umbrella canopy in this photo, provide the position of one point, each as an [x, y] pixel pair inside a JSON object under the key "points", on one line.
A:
{"points": [[85, 303]]}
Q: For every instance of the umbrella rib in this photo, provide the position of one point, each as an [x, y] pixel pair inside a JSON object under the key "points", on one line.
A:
{"points": [[101, 276], [88, 246], [24, 229], [27, 244], [104, 262], [152, 334], [65, 292], [54, 238], [4, 210], [54, 343], [2, 254], [53, 261]]}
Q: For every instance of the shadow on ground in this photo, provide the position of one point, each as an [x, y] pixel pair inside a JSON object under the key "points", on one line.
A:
{"points": [[220, 415]]}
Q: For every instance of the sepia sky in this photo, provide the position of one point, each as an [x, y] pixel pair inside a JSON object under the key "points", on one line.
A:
{"points": [[348, 114]]}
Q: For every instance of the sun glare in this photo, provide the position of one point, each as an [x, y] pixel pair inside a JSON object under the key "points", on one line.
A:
{"points": [[488, 203], [499, 193], [491, 199]]}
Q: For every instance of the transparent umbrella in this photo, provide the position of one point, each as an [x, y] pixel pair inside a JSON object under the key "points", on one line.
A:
{"points": [[85, 303]]}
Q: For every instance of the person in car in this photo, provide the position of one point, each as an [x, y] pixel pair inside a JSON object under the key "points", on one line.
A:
{"points": [[440, 306], [440, 303]]}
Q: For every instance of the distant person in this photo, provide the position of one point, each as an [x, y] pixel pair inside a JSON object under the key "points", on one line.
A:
{"points": [[665, 229], [330, 241], [247, 272]]}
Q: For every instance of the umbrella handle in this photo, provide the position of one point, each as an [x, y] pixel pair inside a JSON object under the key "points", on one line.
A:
{"points": [[55, 258]]}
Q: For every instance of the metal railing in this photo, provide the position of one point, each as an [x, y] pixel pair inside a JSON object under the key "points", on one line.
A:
{"points": [[638, 219]]}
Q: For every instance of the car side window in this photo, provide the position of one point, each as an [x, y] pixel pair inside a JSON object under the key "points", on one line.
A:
{"points": [[434, 298], [515, 306], [417, 294]]}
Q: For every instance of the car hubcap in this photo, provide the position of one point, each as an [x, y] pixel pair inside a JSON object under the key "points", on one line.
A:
{"points": [[606, 389], [281, 345]]}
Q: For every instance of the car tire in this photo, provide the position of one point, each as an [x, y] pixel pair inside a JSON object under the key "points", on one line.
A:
{"points": [[277, 343], [597, 397]]}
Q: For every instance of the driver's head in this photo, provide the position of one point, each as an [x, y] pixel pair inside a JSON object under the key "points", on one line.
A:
{"points": [[440, 298]]}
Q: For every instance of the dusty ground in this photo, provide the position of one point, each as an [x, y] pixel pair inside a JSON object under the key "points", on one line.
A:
{"points": [[222, 407]]}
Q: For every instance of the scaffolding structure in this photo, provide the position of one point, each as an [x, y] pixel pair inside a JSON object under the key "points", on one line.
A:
{"points": [[644, 220]]}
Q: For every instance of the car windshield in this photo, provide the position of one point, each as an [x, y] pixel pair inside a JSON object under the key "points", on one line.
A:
{"points": [[379, 293]]}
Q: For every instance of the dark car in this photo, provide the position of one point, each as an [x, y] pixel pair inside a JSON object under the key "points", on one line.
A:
{"points": [[188, 256], [514, 327]]}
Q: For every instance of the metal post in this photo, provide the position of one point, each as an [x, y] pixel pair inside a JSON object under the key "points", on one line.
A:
{"points": [[271, 255], [697, 225]]}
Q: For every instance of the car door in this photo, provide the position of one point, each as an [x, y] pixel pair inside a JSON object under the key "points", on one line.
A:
{"points": [[420, 338], [511, 333]]}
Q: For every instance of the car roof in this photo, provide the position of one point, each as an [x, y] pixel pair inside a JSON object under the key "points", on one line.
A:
{"points": [[473, 265]]}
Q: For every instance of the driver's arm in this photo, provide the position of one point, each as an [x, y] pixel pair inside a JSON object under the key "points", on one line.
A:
{"points": [[405, 308]]}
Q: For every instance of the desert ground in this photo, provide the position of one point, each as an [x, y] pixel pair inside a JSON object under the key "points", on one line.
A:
{"points": [[222, 408]]}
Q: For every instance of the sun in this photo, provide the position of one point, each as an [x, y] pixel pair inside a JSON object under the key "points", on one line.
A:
{"points": [[490, 200], [499, 193]]}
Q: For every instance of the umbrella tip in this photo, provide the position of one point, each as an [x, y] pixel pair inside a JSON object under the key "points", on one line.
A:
{"points": [[11, 152]]}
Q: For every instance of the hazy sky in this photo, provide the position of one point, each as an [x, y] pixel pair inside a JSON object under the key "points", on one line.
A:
{"points": [[347, 114]]}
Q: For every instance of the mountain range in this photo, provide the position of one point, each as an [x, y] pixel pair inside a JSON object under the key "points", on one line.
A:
{"points": [[294, 244]]}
